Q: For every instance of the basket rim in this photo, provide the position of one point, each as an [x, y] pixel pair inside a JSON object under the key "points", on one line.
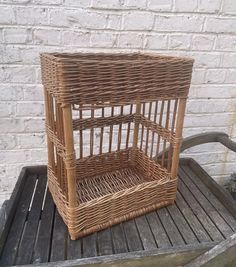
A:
{"points": [[103, 57]]}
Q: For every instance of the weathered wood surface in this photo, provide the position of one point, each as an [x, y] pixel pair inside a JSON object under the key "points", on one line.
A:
{"points": [[222, 254], [218, 191], [8, 209], [198, 220], [175, 256]]}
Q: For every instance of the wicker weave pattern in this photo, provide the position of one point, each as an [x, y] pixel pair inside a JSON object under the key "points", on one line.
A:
{"points": [[123, 174], [116, 79]]}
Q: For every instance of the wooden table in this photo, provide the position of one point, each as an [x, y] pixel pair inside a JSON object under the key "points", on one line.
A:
{"points": [[32, 231]]}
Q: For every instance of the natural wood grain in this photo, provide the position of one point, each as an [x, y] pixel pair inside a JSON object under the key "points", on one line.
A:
{"points": [[202, 216], [118, 239], [9, 252], [222, 254], [158, 230], [170, 227], [222, 195], [8, 209], [230, 220], [219, 222], [132, 236], [104, 242], [43, 242], [89, 245], [74, 248], [182, 225], [30, 230], [145, 232], [192, 220], [59, 239]]}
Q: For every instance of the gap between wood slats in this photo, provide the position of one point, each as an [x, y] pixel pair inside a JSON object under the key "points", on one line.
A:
{"points": [[203, 217], [191, 219], [29, 235], [212, 212], [10, 249], [228, 218], [42, 248]]}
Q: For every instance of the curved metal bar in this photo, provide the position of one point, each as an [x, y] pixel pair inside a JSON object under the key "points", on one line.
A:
{"points": [[204, 138], [209, 137], [227, 142]]}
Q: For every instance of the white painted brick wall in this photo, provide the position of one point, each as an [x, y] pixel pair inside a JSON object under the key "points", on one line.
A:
{"points": [[202, 29]]}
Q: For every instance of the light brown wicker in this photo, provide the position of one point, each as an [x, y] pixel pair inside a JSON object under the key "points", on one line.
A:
{"points": [[134, 105]]}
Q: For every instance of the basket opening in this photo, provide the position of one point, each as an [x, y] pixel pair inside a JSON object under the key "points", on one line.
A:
{"points": [[102, 129], [104, 57], [112, 182], [110, 129], [104, 140], [108, 183]]}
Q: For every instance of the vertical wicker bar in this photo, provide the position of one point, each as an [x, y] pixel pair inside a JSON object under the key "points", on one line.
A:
{"points": [[114, 127]]}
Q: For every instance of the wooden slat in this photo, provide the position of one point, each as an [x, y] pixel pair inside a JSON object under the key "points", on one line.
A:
{"points": [[222, 254], [145, 233], [182, 225], [222, 195], [170, 228], [58, 251], [190, 217], [203, 218], [74, 249], [133, 240], [9, 207], [206, 205], [30, 231], [89, 245], [118, 239], [11, 246], [177, 256], [158, 231], [104, 242], [230, 220], [43, 242]]}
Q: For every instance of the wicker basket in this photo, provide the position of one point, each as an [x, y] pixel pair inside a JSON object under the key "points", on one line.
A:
{"points": [[114, 126]]}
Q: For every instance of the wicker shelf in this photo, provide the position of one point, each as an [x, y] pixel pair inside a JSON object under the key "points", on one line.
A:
{"points": [[108, 118]]}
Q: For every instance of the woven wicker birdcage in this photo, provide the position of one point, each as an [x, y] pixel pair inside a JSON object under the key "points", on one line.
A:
{"points": [[114, 127]]}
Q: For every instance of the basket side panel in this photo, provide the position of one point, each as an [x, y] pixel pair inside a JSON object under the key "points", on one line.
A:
{"points": [[119, 81], [54, 128], [159, 137], [121, 206], [103, 138]]}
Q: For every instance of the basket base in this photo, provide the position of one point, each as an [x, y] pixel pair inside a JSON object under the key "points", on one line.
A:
{"points": [[108, 183]]}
